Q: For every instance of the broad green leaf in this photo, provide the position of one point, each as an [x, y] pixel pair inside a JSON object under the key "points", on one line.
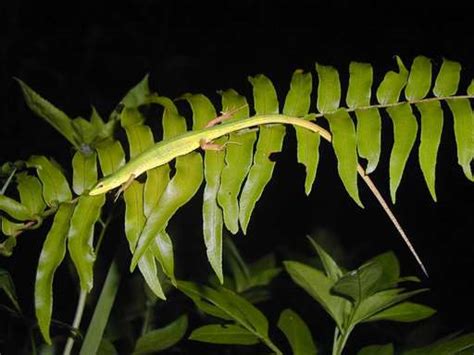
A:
{"points": [[318, 286], [224, 334], [162, 338], [404, 312], [430, 137], [134, 223], [52, 254], [447, 346], [256, 318], [379, 301], [134, 216], [297, 333], [30, 190], [131, 116], [392, 84], [14, 208], [51, 114], [297, 104], [390, 267], [81, 237], [182, 187], [102, 130], [360, 85], [470, 89], [6, 284], [238, 159], [212, 302], [329, 89], [162, 248], [447, 81], [139, 137], [359, 284], [386, 349], [55, 186], [7, 246], [84, 171], [333, 271], [97, 324], [464, 133], [173, 123], [419, 80], [344, 143], [111, 156], [263, 271], [138, 95], [10, 229], [368, 120], [270, 141], [155, 184], [239, 269], [203, 112], [369, 129], [405, 128], [85, 132]]}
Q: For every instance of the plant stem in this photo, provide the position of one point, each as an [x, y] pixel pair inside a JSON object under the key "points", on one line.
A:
{"points": [[77, 321]]}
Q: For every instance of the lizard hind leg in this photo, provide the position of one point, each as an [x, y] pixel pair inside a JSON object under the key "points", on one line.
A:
{"points": [[207, 145]]}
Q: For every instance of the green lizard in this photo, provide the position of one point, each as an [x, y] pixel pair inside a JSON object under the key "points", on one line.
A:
{"points": [[167, 150]]}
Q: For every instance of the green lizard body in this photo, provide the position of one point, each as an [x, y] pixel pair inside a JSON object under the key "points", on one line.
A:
{"points": [[169, 149]]}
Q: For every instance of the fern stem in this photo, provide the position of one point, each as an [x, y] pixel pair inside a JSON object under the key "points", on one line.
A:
{"points": [[77, 321]]}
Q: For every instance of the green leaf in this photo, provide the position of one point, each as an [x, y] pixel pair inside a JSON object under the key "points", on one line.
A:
{"points": [[359, 284], [106, 348], [270, 141], [162, 338], [360, 84], [139, 137], [386, 349], [111, 156], [7, 246], [329, 89], [51, 114], [333, 271], [95, 331], [239, 269], [369, 128], [84, 171], [447, 81], [52, 254], [380, 301], [297, 103], [238, 159], [6, 284], [134, 223], [392, 84], [30, 190], [131, 116], [138, 95], [318, 286], [224, 334], [405, 128], [344, 143], [430, 137], [470, 89], [81, 237], [390, 267], [203, 112], [464, 133], [55, 186], [447, 346], [297, 333], [162, 248], [14, 208], [182, 187], [419, 80], [404, 312]]}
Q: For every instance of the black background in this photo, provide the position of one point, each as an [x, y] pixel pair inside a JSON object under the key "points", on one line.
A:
{"points": [[77, 55]]}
